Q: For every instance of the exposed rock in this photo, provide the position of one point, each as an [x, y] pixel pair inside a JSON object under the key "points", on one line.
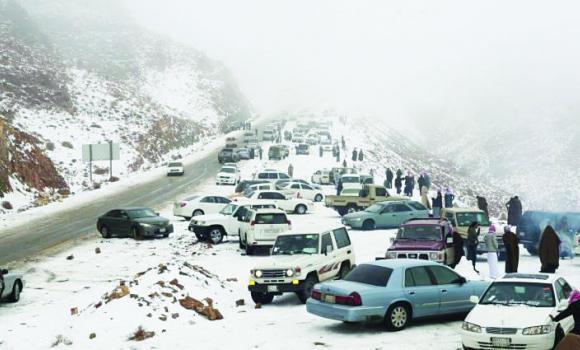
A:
{"points": [[208, 311], [92, 336], [117, 293], [60, 339], [97, 250], [240, 302], [70, 257], [141, 334]]}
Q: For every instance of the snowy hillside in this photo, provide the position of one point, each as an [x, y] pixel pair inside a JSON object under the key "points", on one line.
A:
{"points": [[78, 72]]}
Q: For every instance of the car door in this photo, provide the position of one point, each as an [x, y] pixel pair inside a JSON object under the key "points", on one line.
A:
{"points": [[207, 204], [329, 268], [563, 291], [422, 291], [124, 223], [114, 221], [454, 294], [388, 217], [402, 213], [280, 201], [343, 245], [307, 192]]}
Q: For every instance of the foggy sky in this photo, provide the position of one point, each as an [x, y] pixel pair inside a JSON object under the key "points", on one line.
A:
{"points": [[422, 60]]}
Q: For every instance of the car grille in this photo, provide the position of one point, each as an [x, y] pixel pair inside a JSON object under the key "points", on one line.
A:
{"points": [[484, 345], [422, 256], [273, 273], [497, 330]]}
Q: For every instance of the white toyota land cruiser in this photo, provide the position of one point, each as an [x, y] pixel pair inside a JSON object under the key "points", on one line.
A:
{"points": [[299, 261]]}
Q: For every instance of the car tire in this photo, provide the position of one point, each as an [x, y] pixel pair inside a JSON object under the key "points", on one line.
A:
{"points": [[135, 233], [249, 248], [368, 225], [198, 236], [15, 295], [341, 211], [305, 293], [197, 212], [318, 198], [216, 235], [105, 232], [262, 298], [397, 317], [344, 270], [300, 209]]}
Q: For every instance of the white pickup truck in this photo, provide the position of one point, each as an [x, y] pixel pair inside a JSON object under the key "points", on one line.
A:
{"points": [[214, 227], [299, 261]]}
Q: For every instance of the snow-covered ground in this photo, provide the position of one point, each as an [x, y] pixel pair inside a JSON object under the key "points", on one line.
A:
{"points": [[66, 301]]}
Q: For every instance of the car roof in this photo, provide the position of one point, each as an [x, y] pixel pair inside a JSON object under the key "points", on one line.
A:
{"points": [[402, 263], [528, 278], [424, 221]]}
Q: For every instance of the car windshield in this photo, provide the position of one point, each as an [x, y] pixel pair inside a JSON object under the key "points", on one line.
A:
{"points": [[228, 170], [375, 208], [350, 179], [229, 209], [141, 213], [296, 244], [175, 165], [465, 219], [519, 293], [420, 233], [370, 274]]}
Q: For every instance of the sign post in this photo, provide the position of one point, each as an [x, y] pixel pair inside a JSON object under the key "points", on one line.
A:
{"points": [[101, 152]]}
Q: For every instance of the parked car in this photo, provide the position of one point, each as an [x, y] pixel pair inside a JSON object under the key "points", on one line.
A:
{"points": [[302, 149], [228, 175], [461, 218], [425, 239], [326, 144], [268, 135], [321, 177], [301, 190], [337, 172], [214, 227], [271, 175], [396, 292], [353, 192], [299, 139], [175, 168], [291, 205], [366, 179], [351, 181], [228, 155], [368, 196], [245, 184], [243, 153], [514, 313], [386, 215], [284, 182], [199, 205], [531, 223], [268, 186], [276, 152], [136, 222], [261, 227], [11, 285], [299, 261], [312, 139]]}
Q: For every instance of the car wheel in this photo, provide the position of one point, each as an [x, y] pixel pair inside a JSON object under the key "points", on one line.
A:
{"points": [[105, 232], [305, 293], [240, 240], [368, 225], [344, 270], [249, 248], [197, 212], [15, 295], [300, 209], [318, 198], [342, 211], [216, 235], [135, 233], [262, 298], [397, 318]]}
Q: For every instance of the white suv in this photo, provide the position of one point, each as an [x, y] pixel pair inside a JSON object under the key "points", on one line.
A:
{"points": [[299, 261], [321, 177], [261, 227], [214, 227], [199, 205], [290, 205], [175, 168], [228, 175]]}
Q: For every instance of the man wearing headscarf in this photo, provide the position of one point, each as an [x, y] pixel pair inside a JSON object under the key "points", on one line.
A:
{"points": [[457, 248], [449, 197], [549, 250], [425, 197], [437, 204], [492, 248], [512, 249]]}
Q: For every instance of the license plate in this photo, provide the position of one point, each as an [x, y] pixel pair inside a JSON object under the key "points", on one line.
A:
{"points": [[331, 299], [162, 230], [413, 256], [272, 288], [271, 231], [501, 342]]}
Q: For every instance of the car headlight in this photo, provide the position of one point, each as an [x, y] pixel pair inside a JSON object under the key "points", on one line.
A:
{"points": [[537, 330], [357, 219], [146, 225], [471, 327], [201, 223], [438, 256], [289, 273], [258, 273], [391, 255]]}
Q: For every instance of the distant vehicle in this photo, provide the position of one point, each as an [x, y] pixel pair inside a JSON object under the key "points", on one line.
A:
{"points": [[282, 183], [271, 175], [175, 168], [425, 239], [368, 196], [11, 286], [199, 205], [245, 184], [276, 152], [366, 180], [297, 139], [529, 230], [285, 150], [228, 155], [267, 186], [253, 145], [351, 181], [514, 313], [303, 149], [301, 190], [231, 139], [385, 215], [243, 153], [321, 177], [326, 144], [291, 205], [234, 165], [214, 227], [336, 173], [299, 261], [261, 227], [354, 192], [228, 175], [136, 222], [395, 291], [312, 139], [287, 135], [268, 135]]}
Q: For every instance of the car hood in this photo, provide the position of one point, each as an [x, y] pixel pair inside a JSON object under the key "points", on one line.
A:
{"points": [[415, 244], [304, 261], [519, 316], [156, 220], [210, 217]]}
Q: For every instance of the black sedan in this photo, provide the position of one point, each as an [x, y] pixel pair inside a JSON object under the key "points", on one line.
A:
{"points": [[133, 222]]}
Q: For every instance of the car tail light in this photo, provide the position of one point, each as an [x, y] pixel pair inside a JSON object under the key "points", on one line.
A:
{"points": [[353, 299], [253, 223], [182, 204], [316, 295], [297, 269]]}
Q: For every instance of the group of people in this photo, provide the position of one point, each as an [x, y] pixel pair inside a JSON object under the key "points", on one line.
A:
{"points": [[357, 155]]}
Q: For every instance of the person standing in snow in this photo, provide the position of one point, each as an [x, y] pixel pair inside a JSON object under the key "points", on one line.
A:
{"points": [[360, 156], [291, 170], [409, 184], [427, 180], [425, 198], [512, 249], [514, 207], [399, 173], [321, 151], [354, 155], [252, 153], [421, 181], [339, 187], [260, 152], [472, 242], [492, 248], [437, 204], [482, 204], [398, 184], [337, 154], [549, 250], [449, 197], [457, 248], [389, 175], [343, 143]]}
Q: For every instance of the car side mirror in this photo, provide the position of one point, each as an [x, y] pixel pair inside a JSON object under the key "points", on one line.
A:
{"points": [[474, 299]]}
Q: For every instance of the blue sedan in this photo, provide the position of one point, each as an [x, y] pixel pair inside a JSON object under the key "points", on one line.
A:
{"points": [[394, 291]]}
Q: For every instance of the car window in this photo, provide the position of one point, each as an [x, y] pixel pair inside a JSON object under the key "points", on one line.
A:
{"points": [[451, 218], [399, 208], [114, 214], [262, 175], [223, 200], [417, 277], [283, 176], [326, 241], [240, 214], [444, 275], [264, 195], [295, 186], [341, 237], [208, 200], [271, 219], [306, 187], [563, 289], [370, 274], [416, 206], [381, 192], [277, 196]]}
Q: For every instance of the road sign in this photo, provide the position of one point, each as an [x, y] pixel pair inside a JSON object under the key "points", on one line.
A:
{"points": [[101, 151]]}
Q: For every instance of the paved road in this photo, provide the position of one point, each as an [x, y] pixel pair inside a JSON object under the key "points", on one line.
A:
{"points": [[33, 237]]}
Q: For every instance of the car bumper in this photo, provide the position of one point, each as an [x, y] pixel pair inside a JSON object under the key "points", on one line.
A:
{"points": [[352, 223], [279, 287], [518, 341], [156, 231], [343, 312], [416, 254]]}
